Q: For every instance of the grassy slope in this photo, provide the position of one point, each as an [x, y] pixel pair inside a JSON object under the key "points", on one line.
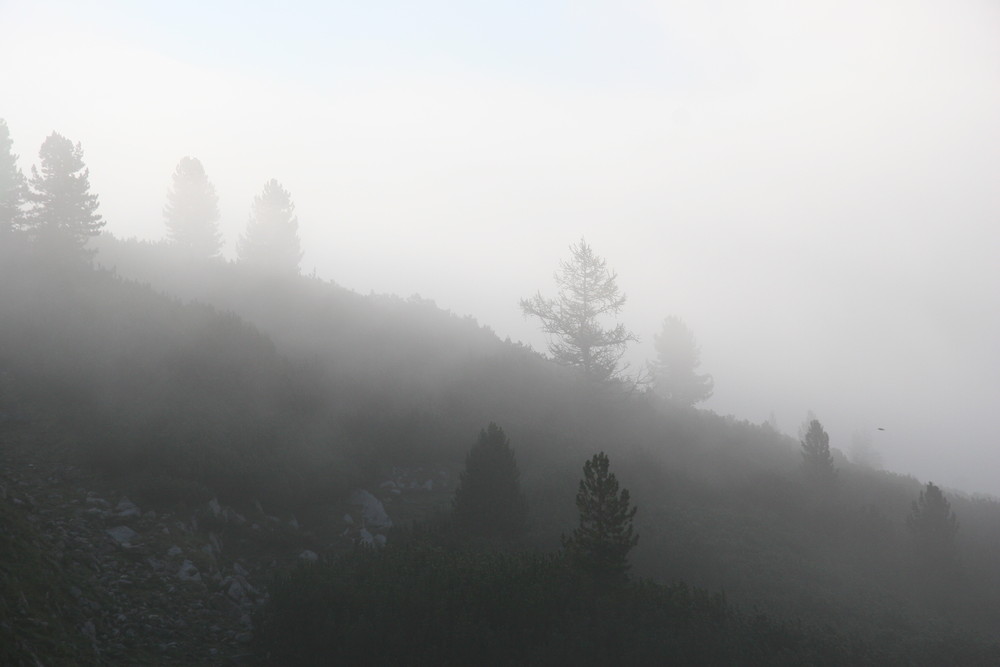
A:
{"points": [[377, 381]]}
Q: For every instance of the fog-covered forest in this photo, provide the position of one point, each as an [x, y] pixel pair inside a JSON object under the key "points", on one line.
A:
{"points": [[259, 404]]}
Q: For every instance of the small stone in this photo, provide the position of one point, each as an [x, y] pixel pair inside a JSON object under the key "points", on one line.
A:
{"points": [[309, 556]]}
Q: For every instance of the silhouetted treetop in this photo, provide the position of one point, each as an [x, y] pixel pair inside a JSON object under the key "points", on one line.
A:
{"points": [[588, 292], [271, 240], [192, 212]]}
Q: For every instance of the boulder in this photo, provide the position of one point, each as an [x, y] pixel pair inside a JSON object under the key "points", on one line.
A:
{"points": [[372, 511], [123, 535]]}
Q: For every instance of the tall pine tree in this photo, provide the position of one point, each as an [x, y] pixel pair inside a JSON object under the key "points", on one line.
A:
{"points": [[601, 543], [488, 501], [63, 213], [271, 241], [677, 360], [13, 186], [192, 212]]}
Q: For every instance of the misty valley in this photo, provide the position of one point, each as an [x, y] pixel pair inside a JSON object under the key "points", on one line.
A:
{"points": [[215, 462]]}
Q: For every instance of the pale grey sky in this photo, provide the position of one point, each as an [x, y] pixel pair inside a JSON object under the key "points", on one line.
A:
{"points": [[812, 187]]}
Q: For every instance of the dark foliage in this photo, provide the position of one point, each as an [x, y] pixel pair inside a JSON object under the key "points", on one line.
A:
{"points": [[418, 604], [601, 543]]}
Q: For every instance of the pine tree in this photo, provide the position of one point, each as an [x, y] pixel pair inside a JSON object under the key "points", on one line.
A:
{"points": [[192, 212], [674, 372], [816, 458], [488, 500], [63, 213], [13, 186], [588, 292], [604, 538], [271, 241], [933, 526]]}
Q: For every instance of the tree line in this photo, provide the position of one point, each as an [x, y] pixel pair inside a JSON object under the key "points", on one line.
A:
{"points": [[55, 213]]}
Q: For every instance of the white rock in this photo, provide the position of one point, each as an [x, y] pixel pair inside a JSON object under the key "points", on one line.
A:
{"points": [[309, 556], [348, 519], [365, 537], [380, 540], [174, 551], [372, 511]]}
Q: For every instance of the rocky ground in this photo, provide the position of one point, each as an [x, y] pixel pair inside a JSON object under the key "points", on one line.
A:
{"points": [[90, 577]]}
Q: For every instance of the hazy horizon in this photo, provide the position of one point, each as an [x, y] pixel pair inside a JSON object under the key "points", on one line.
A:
{"points": [[813, 189]]}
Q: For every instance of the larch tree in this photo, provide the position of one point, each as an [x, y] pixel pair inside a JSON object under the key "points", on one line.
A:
{"points": [[674, 372], [13, 186], [588, 293], [271, 241], [601, 543], [488, 500], [192, 212], [62, 216]]}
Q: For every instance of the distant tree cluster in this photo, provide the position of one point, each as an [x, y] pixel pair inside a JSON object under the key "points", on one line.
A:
{"points": [[269, 244], [57, 215]]}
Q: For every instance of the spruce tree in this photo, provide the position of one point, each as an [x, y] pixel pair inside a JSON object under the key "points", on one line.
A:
{"points": [[13, 186], [488, 500], [63, 213], [192, 212], [271, 241], [605, 536]]}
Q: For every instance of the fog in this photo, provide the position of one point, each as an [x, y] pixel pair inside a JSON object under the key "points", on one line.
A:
{"points": [[812, 187]]}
